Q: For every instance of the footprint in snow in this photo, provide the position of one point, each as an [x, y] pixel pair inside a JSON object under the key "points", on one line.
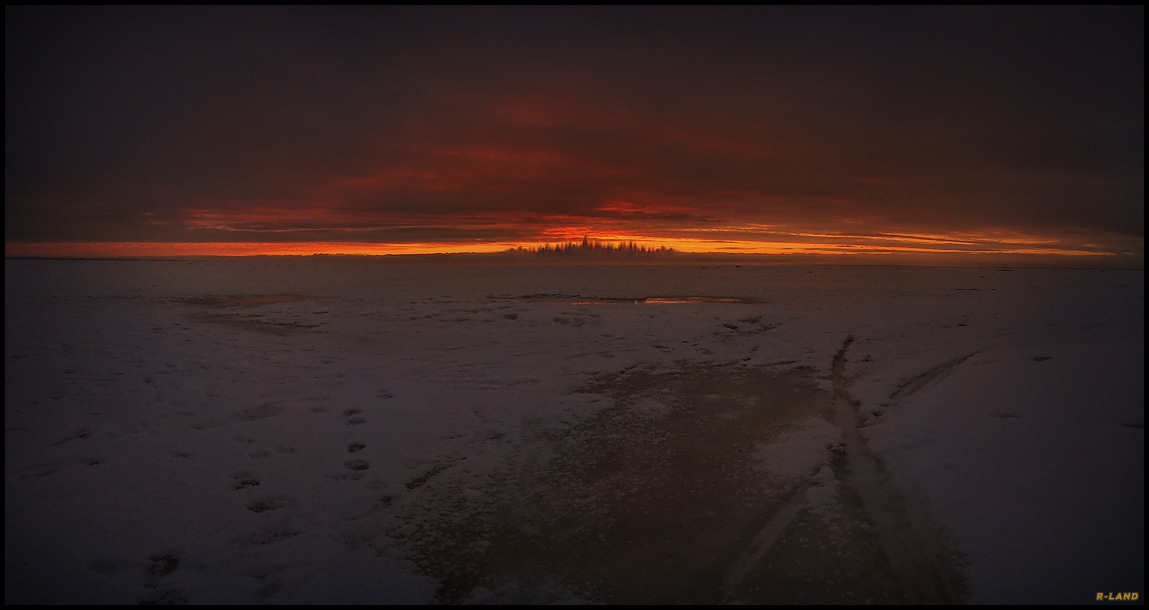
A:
{"points": [[162, 564], [266, 504], [245, 479]]}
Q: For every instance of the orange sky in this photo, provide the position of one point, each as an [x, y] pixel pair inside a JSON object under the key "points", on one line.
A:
{"points": [[954, 249]]}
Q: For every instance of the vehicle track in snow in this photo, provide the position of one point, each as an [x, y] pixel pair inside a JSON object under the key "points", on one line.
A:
{"points": [[660, 498], [918, 551]]}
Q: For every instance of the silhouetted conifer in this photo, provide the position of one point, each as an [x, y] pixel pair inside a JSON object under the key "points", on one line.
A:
{"points": [[589, 248]]}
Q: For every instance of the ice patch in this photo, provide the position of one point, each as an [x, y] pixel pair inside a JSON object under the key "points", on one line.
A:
{"points": [[799, 452], [824, 493], [650, 408]]}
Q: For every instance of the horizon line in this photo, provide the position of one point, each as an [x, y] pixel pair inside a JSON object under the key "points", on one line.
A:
{"points": [[586, 251]]}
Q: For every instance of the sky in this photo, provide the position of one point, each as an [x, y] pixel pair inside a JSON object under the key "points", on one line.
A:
{"points": [[185, 131]]}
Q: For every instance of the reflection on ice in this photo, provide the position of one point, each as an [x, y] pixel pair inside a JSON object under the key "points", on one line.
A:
{"points": [[666, 300], [678, 300]]}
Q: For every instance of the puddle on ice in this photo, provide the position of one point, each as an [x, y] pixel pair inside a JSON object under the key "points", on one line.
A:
{"points": [[681, 300], [660, 498], [567, 299]]}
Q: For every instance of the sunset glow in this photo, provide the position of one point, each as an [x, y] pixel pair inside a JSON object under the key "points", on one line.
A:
{"points": [[764, 132], [842, 247]]}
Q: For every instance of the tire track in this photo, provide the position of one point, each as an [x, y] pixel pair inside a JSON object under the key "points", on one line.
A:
{"points": [[767, 536], [929, 377], [917, 551]]}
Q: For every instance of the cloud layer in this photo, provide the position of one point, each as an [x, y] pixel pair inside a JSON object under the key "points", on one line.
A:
{"points": [[526, 125]]}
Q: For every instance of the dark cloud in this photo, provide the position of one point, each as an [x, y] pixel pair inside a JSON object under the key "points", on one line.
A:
{"points": [[136, 124]]}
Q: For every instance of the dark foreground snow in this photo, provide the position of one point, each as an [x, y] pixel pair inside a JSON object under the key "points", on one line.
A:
{"points": [[238, 432]]}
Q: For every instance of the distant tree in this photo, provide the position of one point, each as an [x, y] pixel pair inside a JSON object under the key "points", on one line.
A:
{"points": [[593, 249]]}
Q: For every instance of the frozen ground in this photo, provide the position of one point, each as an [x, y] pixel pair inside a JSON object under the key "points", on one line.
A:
{"points": [[219, 432]]}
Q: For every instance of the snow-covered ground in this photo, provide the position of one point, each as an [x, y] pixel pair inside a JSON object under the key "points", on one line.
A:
{"points": [[268, 431]]}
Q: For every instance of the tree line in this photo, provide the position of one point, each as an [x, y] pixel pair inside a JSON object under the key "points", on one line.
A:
{"points": [[590, 247]]}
